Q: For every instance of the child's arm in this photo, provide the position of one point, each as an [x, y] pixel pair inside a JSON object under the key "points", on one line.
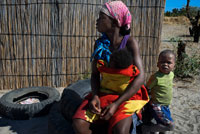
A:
{"points": [[150, 84]]}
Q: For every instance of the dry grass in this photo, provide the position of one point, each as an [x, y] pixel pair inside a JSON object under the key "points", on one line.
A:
{"points": [[180, 20], [178, 32]]}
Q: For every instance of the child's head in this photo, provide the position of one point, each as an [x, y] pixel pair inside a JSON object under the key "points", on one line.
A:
{"points": [[121, 59], [119, 15], [166, 61]]}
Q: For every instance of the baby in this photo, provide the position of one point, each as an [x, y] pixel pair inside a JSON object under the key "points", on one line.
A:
{"points": [[120, 59]]}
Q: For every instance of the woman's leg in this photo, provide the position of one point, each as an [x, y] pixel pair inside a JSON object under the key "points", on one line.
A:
{"points": [[123, 126], [81, 126]]}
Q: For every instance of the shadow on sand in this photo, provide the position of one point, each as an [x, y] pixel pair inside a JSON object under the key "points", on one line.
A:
{"points": [[37, 125]]}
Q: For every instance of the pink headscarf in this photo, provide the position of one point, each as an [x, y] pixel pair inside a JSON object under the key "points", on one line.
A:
{"points": [[119, 11]]}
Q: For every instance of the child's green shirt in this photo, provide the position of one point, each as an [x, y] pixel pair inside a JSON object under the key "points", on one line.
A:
{"points": [[161, 88]]}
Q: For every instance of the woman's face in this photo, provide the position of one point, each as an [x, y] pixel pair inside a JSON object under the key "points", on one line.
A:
{"points": [[104, 23]]}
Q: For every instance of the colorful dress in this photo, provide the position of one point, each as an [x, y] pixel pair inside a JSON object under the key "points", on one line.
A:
{"points": [[114, 82]]}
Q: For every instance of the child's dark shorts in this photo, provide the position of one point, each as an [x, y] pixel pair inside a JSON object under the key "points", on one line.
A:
{"points": [[161, 114]]}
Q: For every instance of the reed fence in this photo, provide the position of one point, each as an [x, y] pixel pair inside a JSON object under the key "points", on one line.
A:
{"points": [[49, 42]]}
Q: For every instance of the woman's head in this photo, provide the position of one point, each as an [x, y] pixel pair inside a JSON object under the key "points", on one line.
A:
{"points": [[119, 14]]}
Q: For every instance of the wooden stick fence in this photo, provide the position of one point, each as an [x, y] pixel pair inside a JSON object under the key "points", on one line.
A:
{"points": [[49, 42]]}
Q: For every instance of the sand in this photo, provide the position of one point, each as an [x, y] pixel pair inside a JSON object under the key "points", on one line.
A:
{"points": [[185, 106]]}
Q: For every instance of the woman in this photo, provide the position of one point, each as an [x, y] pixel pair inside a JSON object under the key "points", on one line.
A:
{"points": [[106, 103]]}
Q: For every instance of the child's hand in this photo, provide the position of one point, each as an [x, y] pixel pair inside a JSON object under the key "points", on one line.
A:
{"points": [[94, 105], [108, 112]]}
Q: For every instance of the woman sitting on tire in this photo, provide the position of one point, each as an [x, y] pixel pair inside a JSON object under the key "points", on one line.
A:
{"points": [[120, 93]]}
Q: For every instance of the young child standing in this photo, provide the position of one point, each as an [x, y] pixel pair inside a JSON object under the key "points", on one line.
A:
{"points": [[160, 85], [117, 94]]}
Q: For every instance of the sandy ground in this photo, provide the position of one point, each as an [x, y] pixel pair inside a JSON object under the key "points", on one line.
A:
{"points": [[185, 107]]}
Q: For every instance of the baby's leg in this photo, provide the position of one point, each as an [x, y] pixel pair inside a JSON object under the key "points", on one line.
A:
{"points": [[123, 126], [81, 126]]}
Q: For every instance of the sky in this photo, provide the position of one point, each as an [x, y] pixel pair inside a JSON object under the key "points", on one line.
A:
{"points": [[171, 4]]}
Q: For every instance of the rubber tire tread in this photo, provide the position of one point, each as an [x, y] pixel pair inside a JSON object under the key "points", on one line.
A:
{"points": [[73, 96], [15, 111]]}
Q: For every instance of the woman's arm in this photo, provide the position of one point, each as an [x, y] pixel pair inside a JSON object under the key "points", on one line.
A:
{"points": [[94, 104], [95, 78]]}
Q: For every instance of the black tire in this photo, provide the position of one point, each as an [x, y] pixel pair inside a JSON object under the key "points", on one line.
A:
{"points": [[10, 108], [72, 97], [60, 115]]}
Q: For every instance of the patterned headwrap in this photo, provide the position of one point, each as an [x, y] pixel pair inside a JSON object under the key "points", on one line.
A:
{"points": [[119, 11], [104, 9]]}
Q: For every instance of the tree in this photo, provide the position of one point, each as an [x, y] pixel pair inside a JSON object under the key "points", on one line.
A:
{"points": [[175, 11], [195, 29]]}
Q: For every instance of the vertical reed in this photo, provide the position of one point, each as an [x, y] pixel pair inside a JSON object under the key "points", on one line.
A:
{"points": [[49, 42]]}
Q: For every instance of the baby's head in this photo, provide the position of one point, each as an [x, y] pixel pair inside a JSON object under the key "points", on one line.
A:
{"points": [[120, 59], [166, 61]]}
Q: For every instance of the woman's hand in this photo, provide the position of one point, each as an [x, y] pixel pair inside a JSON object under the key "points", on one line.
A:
{"points": [[108, 112], [94, 105]]}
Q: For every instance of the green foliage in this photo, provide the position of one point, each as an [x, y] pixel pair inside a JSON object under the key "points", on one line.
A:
{"points": [[193, 11], [173, 39], [190, 66], [85, 75], [182, 12]]}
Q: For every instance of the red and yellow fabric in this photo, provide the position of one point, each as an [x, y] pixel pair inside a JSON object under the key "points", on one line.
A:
{"points": [[115, 80], [114, 83]]}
